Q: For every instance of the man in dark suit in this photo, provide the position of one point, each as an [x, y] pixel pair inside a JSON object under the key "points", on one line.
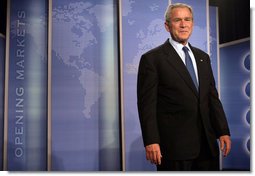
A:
{"points": [[180, 113]]}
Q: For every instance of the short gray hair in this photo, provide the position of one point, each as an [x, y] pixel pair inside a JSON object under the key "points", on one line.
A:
{"points": [[176, 5]]}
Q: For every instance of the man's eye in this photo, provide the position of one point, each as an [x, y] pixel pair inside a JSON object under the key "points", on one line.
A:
{"points": [[188, 19], [177, 20]]}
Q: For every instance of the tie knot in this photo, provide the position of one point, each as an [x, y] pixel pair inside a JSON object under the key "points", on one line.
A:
{"points": [[185, 49]]}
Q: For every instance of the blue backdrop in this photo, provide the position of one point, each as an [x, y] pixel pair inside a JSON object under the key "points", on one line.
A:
{"points": [[214, 43], [85, 111], [27, 92], [235, 95]]}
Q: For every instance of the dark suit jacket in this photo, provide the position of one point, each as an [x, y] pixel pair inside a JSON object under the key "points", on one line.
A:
{"points": [[170, 108]]}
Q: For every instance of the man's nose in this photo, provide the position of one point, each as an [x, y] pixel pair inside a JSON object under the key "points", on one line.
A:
{"points": [[182, 23]]}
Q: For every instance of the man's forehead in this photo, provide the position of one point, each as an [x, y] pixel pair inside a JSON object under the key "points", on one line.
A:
{"points": [[176, 11]]}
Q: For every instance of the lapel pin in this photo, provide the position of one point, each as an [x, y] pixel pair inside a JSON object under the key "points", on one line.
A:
{"points": [[201, 60]]}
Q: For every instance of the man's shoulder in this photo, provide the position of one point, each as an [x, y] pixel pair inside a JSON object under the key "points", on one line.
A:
{"points": [[157, 50], [199, 51]]}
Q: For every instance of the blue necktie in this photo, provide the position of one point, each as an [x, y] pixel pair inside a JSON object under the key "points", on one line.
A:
{"points": [[189, 66]]}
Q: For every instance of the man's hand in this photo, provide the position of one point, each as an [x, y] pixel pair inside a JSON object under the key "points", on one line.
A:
{"points": [[153, 153], [225, 145]]}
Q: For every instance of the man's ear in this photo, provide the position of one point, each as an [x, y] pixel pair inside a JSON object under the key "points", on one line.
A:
{"points": [[167, 27]]}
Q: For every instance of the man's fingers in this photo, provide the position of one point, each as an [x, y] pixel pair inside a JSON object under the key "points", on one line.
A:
{"points": [[159, 156], [153, 153], [154, 157], [221, 145], [227, 148], [150, 156], [225, 145]]}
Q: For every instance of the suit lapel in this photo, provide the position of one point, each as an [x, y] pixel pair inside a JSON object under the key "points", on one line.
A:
{"points": [[175, 60], [200, 63]]}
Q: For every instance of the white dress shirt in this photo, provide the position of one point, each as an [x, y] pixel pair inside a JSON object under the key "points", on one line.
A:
{"points": [[178, 48]]}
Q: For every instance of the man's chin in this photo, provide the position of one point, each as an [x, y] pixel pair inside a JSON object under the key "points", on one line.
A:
{"points": [[180, 40], [183, 41]]}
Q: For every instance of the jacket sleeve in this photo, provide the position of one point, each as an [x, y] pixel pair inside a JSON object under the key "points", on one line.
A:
{"points": [[217, 114], [147, 82]]}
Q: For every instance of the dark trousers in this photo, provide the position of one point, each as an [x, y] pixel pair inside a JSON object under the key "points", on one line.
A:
{"points": [[204, 162], [210, 164]]}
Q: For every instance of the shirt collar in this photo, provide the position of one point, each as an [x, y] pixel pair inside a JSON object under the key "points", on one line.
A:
{"points": [[178, 46]]}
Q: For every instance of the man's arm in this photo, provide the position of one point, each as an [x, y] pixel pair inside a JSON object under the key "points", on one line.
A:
{"points": [[147, 83], [218, 118], [147, 102]]}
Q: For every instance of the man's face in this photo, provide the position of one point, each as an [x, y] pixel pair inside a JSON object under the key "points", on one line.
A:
{"points": [[180, 25]]}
